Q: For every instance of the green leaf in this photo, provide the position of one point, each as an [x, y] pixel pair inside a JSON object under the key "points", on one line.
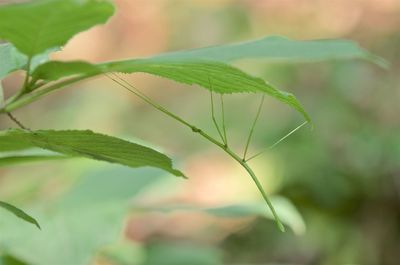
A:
{"points": [[286, 210], [18, 159], [11, 59], [55, 70], [9, 260], [215, 76], [200, 66], [278, 48], [38, 25], [87, 144], [19, 213]]}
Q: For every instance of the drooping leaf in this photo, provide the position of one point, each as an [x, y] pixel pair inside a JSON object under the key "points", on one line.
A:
{"points": [[19, 213], [38, 25], [287, 211], [87, 144], [215, 76], [278, 48]]}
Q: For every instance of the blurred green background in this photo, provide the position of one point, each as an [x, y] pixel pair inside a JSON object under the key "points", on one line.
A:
{"points": [[337, 186]]}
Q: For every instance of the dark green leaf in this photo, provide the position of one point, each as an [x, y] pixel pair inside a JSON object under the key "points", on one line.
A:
{"points": [[19, 213], [87, 144], [18, 159], [38, 25]]}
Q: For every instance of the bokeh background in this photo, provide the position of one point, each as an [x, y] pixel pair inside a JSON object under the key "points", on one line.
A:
{"points": [[338, 184]]}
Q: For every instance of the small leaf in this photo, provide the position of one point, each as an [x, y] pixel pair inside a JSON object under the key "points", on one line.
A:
{"points": [[87, 144], [38, 25], [11, 59], [55, 70], [19, 213]]}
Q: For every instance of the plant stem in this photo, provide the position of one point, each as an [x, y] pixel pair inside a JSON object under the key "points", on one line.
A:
{"points": [[17, 102], [223, 146], [17, 122]]}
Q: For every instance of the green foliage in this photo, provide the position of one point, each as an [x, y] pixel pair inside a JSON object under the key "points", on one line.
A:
{"points": [[11, 59], [55, 70], [36, 26], [215, 76], [19, 213], [85, 219], [87, 144]]}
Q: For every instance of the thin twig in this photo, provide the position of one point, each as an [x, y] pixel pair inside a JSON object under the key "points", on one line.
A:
{"points": [[213, 112], [277, 142], [17, 122], [223, 119], [253, 126]]}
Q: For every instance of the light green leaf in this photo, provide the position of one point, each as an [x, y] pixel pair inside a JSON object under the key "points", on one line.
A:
{"points": [[38, 25], [278, 48], [19, 213], [11, 59], [87, 144], [287, 212]]}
